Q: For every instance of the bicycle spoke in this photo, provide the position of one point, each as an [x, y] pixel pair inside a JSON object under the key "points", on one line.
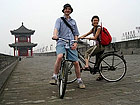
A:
{"points": [[71, 73], [104, 67], [106, 63], [113, 61], [118, 64], [121, 68], [112, 67], [70, 66], [91, 62]]}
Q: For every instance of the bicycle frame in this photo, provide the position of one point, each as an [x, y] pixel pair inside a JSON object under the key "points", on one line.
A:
{"points": [[63, 73], [82, 59]]}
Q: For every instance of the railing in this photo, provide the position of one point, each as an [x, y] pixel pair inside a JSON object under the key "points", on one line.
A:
{"points": [[6, 60]]}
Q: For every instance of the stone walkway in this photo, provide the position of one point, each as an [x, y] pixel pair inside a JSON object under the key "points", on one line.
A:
{"points": [[29, 85]]}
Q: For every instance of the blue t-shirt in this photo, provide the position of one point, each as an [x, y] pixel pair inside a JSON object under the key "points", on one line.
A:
{"points": [[64, 31]]}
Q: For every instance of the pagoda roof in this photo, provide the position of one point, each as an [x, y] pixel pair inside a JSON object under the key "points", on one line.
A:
{"points": [[22, 30], [22, 44]]}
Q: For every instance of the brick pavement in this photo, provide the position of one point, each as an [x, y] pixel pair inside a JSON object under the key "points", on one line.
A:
{"points": [[29, 85]]}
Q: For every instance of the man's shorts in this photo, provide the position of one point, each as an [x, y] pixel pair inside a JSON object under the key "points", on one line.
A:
{"points": [[71, 54]]}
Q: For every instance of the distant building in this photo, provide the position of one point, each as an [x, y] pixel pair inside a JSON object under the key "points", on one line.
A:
{"points": [[130, 35], [22, 45], [114, 39]]}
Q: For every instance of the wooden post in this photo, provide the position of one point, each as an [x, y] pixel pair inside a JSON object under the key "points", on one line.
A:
{"points": [[18, 52], [29, 38], [31, 52], [27, 52], [18, 39], [15, 39], [14, 51]]}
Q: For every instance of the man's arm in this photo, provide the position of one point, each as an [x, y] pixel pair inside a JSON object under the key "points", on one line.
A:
{"points": [[56, 29], [74, 46], [55, 34], [76, 37]]}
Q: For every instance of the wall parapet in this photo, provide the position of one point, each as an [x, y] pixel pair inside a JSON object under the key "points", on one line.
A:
{"points": [[124, 47]]}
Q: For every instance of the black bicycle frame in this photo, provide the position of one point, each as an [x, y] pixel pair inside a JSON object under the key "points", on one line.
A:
{"points": [[82, 59]]}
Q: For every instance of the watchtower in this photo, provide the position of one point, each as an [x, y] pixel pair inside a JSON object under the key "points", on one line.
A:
{"points": [[23, 45]]}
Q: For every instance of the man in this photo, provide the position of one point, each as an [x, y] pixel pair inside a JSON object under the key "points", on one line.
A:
{"points": [[63, 31]]}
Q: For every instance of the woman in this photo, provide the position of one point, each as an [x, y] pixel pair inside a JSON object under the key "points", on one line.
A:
{"points": [[96, 49]]}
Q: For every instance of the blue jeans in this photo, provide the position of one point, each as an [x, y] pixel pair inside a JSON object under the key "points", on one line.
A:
{"points": [[71, 54]]}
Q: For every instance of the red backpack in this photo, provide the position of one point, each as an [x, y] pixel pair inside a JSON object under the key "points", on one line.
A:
{"points": [[105, 37]]}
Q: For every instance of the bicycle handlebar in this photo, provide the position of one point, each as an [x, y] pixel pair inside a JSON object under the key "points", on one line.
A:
{"points": [[65, 40]]}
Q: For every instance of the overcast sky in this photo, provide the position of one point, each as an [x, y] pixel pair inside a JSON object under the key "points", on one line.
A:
{"points": [[117, 16]]}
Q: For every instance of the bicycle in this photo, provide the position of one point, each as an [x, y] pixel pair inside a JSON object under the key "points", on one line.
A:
{"points": [[64, 68], [110, 65], [107, 65]]}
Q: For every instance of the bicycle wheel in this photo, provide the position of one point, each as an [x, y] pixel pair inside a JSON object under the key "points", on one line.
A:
{"points": [[112, 67], [71, 73], [63, 76]]}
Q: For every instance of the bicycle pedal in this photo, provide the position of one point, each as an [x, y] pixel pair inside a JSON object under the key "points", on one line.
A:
{"points": [[69, 72], [93, 72], [85, 69]]}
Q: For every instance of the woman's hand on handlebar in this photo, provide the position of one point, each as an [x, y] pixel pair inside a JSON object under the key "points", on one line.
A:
{"points": [[81, 37]]}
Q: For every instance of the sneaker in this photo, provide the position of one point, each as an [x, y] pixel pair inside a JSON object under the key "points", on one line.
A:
{"points": [[81, 85], [53, 81]]}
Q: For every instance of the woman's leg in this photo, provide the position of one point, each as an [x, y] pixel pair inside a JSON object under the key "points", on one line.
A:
{"points": [[88, 53], [98, 52], [86, 65]]}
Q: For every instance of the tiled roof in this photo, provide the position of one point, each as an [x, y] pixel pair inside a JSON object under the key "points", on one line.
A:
{"points": [[22, 30], [22, 44]]}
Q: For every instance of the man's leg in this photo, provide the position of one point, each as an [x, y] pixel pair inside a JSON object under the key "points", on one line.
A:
{"points": [[57, 63], [73, 56], [60, 50], [78, 75], [53, 81], [77, 69]]}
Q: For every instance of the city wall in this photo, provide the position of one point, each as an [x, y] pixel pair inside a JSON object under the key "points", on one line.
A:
{"points": [[127, 47], [7, 64], [124, 47]]}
